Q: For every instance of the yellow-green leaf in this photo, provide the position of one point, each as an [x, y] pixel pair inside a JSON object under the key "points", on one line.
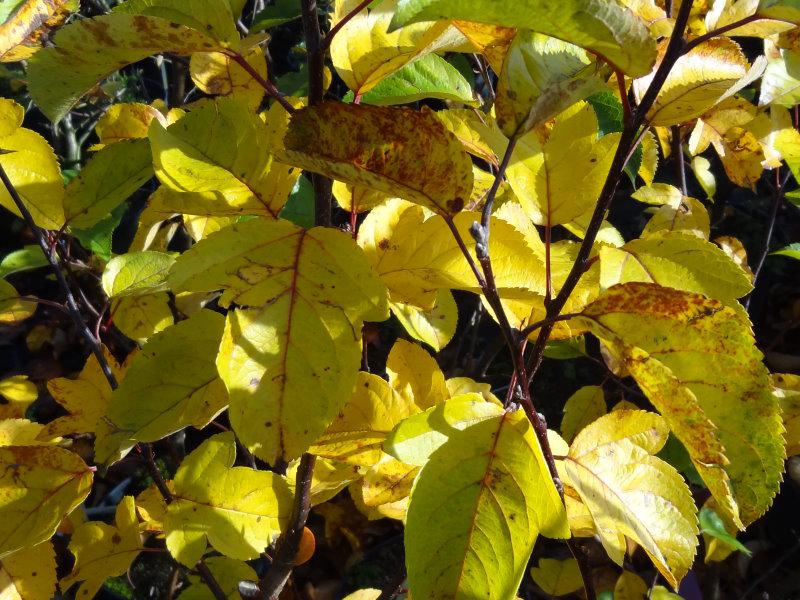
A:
{"points": [[787, 390], [13, 308], [137, 273], [223, 153], [557, 577], [42, 485], [125, 121], [239, 510], [212, 16], [582, 408], [170, 384], [88, 50], [102, 551], [398, 151], [140, 317], [541, 77], [476, 509], [218, 74], [415, 376], [604, 27], [559, 178], [107, 179], [18, 393], [434, 327], [29, 573], [305, 289], [697, 361], [632, 494]]}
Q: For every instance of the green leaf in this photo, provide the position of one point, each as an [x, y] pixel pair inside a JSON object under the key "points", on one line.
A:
{"points": [[137, 273], [476, 510], [792, 251], [711, 524], [428, 77], [299, 209], [604, 27], [279, 13], [89, 50], [98, 237], [24, 259], [171, 384], [106, 180], [609, 118]]}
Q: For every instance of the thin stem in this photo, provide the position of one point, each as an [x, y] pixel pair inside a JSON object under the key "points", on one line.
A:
{"points": [[677, 156], [777, 199], [623, 97], [463, 247], [326, 42], [583, 567], [720, 31], [268, 86], [208, 578], [289, 543], [627, 141], [50, 303], [492, 193]]}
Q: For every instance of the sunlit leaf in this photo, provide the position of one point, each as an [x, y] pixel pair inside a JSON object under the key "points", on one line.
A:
{"points": [[137, 273], [29, 573], [434, 327], [582, 408]]}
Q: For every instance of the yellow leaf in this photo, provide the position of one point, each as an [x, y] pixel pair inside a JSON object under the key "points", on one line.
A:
{"points": [[329, 478], [212, 16], [560, 178], [415, 257], [477, 132], [631, 493], [41, 484], [106, 180], [33, 169], [136, 273], [787, 390], [365, 594], [89, 50], [581, 409], [227, 572], [140, 317], [356, 435], [306, 289], [18, 393], [239, 510], [606, 29], [387, 481], [126, 121], [11, 116], [217, 74], [356, 198], [364, 52], [697, 362], [490, 40], [688, 215], [701, 78], [742, 157], [398, 151], [29, 574], [171, 384], [476, 510], [676, 260], [714, 124], [415, 376], [457, 386], [557, 577], [630, 586], [701, 167], [199, 227], [102, 551], [22, 432], [541, 77], [84, 398], [223, 152], [14, 308], [434, 327]]}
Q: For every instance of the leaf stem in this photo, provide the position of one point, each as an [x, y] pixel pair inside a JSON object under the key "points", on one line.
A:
{"points": [[692, 44]]}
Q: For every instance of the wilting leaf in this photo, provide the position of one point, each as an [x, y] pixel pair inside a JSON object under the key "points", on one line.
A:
{"points": [[605, 28], [137, 273], [239, 510], [171, 384], [88, 50], [103, 550], [698, 364], [304, 289], [476, 510], [560, 178], [398, 151], [106, 180], [42, 484], [632, 494]]}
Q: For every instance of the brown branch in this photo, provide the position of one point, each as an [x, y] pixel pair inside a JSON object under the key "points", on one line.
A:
{"points": [[677, 156], [289, 543], [628, 139]]}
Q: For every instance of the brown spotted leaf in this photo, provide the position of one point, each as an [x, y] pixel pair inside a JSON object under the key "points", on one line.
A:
{"points": [[399, 151]]}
